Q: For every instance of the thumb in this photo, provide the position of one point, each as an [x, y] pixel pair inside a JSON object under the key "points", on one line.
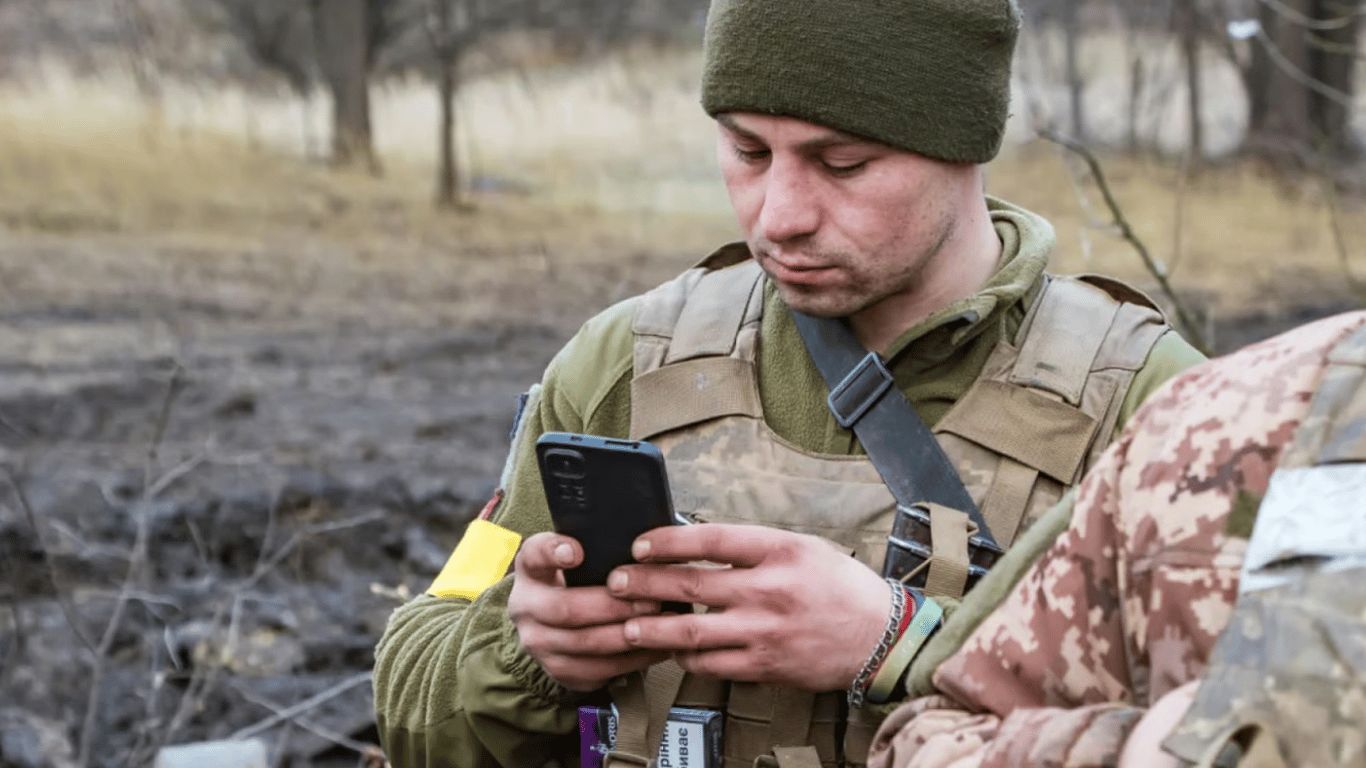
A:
{"points": [[544, 555]]}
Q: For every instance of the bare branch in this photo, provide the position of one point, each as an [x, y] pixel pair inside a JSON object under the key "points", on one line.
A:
{"points": [[63, 600], [1299, 19], [133, 575], [313, 701], [308, 725], [159, 429], [1299, 75], [1356, 284], [1195, 336], [193, 699], [301, 536]]}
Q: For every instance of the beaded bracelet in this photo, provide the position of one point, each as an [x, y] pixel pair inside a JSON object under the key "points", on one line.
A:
{"points": [[890, 634]]}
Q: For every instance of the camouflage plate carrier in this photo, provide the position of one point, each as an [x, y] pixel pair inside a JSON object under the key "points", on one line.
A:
{"points": [[1042, 410], [1286, 682]]}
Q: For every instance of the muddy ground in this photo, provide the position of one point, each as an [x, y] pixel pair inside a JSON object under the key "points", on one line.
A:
{"points": [[223, 467]]}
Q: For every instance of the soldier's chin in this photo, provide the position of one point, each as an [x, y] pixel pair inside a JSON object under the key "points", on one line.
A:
{"points": [[817, 303]]}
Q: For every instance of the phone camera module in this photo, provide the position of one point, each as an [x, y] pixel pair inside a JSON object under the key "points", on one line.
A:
{"points": [[565, 464]]}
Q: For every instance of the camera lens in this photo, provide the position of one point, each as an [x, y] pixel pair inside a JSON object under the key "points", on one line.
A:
{"points": [[564, 464]]}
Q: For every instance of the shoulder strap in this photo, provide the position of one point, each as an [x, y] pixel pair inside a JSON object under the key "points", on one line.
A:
{"points": [[1084, 324], [864, 398], [695, 339]]}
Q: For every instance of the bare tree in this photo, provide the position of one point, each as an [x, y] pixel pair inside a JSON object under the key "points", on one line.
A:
{"points": [[341, 39], [275, 35], [348, 36], [453, 27], [1187, 23], [1076, 85], [1300, 80]]}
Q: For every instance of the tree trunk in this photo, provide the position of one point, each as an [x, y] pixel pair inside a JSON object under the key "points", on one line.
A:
{"points": [[1188, 32], [342, 32], [1300, 83], [1071, 21], [1333, 53], [447, 178]]}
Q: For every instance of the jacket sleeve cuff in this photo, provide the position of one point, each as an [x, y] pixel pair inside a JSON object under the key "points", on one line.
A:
{"points": [[528, 672]]}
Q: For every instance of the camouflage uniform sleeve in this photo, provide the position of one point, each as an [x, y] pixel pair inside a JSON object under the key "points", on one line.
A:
{"points": [[453, 686], [1128, 602]]}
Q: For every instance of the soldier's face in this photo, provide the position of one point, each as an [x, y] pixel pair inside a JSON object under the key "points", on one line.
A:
{"points": [[840, 224]]}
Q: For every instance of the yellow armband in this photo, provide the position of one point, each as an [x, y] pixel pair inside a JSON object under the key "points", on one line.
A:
{"points": [[478, 562]]}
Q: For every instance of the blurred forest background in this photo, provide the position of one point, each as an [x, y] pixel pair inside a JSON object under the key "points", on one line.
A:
{"points": [[272, 273]]}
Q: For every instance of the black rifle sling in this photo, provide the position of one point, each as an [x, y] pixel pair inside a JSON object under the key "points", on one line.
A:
{"points": [[864, 398]]}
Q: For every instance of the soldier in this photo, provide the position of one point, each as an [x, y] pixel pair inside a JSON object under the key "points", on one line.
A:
{"points": [[851, 136], [1122, 607]]}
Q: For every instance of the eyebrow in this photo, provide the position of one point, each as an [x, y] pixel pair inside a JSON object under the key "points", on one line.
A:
{"points": [[832, 138]]}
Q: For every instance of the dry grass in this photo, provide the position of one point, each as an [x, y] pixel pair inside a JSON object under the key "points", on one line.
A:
{"points": [[595, 163]]}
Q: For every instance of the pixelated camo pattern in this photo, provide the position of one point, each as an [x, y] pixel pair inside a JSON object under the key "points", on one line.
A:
{"points": [[1292, 662], [1129, 601]]}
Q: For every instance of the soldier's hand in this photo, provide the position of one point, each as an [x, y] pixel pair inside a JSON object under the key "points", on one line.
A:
{"points": [[575, 633], [791, 609]]}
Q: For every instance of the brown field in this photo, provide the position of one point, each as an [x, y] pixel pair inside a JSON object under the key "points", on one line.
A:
{"points": [[609, 165]]}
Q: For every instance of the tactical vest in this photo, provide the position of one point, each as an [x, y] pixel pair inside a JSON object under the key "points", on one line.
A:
{"points": [[1042, 410], [1286, 681]]}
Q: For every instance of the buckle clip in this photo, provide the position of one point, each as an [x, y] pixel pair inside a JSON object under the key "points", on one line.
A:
{"points": [[860, 390]]}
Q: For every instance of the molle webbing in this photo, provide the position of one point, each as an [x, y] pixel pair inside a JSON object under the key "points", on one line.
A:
{"points": [[1040, 411], [1051, 409]]}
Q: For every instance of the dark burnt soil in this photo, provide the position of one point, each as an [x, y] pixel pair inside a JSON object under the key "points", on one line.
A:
{"points": [[222, 471]]}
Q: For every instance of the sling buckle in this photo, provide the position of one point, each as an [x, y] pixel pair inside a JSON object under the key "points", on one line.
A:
{"points": [[860, 390]]}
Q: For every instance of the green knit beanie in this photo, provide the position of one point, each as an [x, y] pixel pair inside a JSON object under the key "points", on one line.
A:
{"points": [[929, 76]]}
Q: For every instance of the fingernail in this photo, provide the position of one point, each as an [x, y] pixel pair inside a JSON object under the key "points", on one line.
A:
{"points": [[632, 632], [564, 554], [644, 607], [640, 549], [617, 581]]}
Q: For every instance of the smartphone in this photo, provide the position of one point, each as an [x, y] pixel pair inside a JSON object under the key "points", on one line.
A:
{"points": [[604, 493]]}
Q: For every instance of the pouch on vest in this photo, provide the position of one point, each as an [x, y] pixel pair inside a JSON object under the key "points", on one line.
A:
{"points": [[1286, 682]]}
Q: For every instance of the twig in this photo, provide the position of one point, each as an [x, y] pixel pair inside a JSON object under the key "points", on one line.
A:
{"points": [[1335, 224], [301, 536], [139, 753], [174, 474], [193, 698], [308, 725], [1299, 75], [11, 426], [19, 638], [133, 575], [291, 712], [146, 598], [86, 550], [68, 610], [1179, 214], [1302, 20], [1092, 221], [1196, 336], [159, 430]]}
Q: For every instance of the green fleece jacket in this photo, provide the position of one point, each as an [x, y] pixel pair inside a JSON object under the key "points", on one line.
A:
{"points": [[453, 686]]}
